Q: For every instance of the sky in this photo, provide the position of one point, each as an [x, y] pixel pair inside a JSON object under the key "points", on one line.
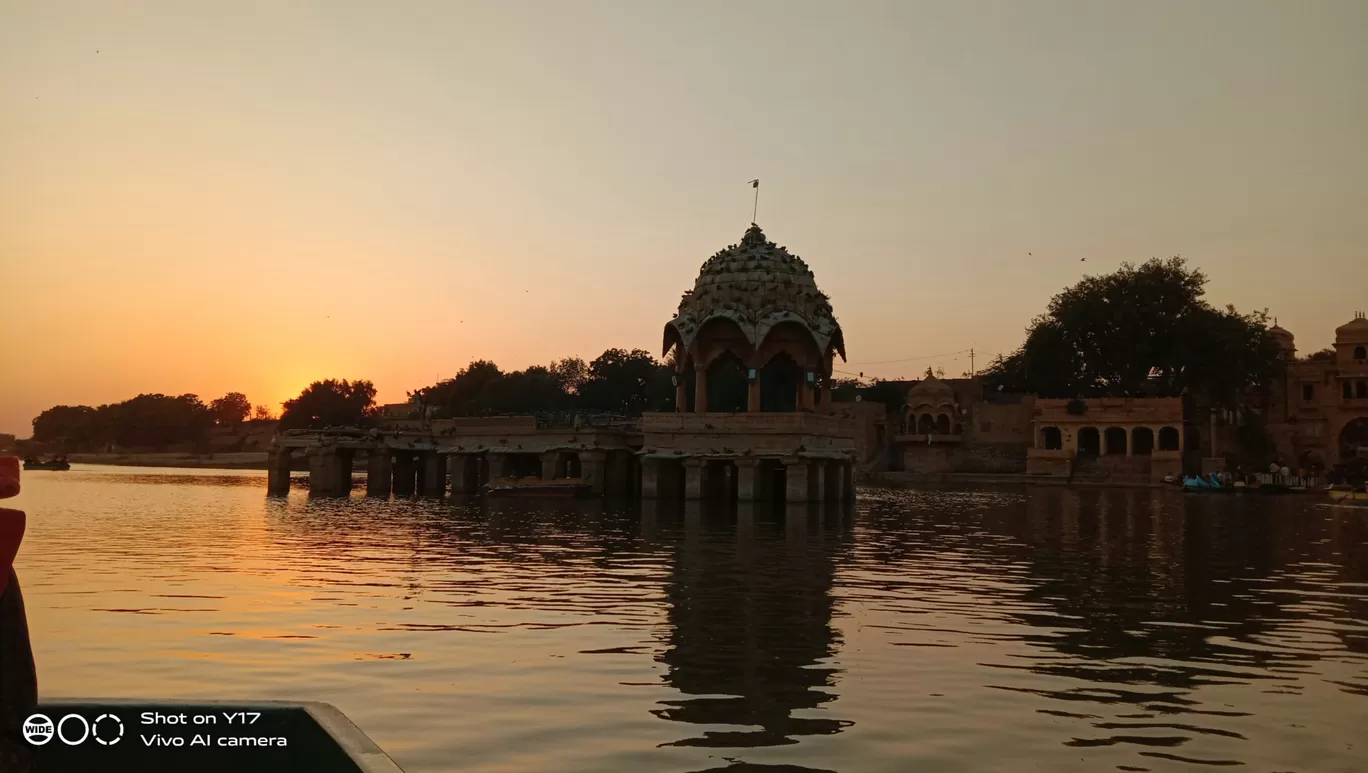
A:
{"points": [[249, 196]]}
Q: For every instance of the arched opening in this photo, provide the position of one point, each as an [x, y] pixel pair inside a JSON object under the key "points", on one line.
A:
{"points": [[1360, 353], [1142, 441], [780, 380], [727, 384], [1116, 441], [942, 424], [690, 381], [1352, 438], [1089, 442], [925, 424], [1051, 439], [1168, 438]]}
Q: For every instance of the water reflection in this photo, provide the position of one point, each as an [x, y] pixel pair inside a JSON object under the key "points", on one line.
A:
{"points": [[936, 630], [750, 643]]}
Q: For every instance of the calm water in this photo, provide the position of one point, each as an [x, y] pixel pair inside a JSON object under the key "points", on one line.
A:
{"points": [[929, 631]]}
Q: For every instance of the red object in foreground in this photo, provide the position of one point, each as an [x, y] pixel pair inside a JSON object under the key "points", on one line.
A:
{"points": [[18, 678], [11, 521]]}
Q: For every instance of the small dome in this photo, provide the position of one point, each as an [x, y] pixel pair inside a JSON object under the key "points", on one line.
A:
{"points": [[1284, 337], [1354, 331], [757, 285]]}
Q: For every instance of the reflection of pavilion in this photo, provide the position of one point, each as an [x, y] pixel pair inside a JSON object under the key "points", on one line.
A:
{"points": [[750, 627]]}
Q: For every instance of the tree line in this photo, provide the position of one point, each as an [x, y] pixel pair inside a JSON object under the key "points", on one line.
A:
{"points": [[1140, 331], [619, 381], [145, 421]]}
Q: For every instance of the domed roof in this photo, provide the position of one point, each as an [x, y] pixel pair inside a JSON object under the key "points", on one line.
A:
{"points": [[930, 390], [1354, 331], [757, 285], [1282, 336]]}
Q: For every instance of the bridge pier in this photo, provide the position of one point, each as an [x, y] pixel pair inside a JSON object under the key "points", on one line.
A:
{"points": [[434, 474], [379, 473], [278, 471], [405, 474], [330, 471]]}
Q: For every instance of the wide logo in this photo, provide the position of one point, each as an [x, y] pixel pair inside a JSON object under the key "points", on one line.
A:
{"points": [[73, 729]]}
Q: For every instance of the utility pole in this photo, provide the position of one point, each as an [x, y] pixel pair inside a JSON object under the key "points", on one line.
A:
{"points": [[971, 362]]}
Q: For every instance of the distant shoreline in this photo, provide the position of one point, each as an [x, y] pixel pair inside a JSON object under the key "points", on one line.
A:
{"points": [[252, 460]]}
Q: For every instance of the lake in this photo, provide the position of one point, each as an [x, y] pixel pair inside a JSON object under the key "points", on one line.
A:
{"points": [[967, 630]]}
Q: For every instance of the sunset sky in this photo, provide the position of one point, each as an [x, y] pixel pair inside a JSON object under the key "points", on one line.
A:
{"points": [[213, 196]]}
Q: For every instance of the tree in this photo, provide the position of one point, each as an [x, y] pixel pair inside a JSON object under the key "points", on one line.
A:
{"points": [[330, 403], [626, 382], [1141, 331], [535, 390], [470, 392], [1324, 355], [231, 409], [70, 426], [571, 372], [262, 413]]}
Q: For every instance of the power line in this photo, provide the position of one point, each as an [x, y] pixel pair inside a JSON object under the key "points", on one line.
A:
{"points": [[910, 359]]}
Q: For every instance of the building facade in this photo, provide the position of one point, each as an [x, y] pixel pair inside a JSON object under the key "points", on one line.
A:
{"points": [[1318, 416]]}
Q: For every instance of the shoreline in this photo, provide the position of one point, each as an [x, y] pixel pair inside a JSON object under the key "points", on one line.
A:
{"points": [[253, 460]]}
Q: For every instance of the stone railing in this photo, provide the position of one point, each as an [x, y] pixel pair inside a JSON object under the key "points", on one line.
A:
{"points": [[931, 439], [745, 423]]}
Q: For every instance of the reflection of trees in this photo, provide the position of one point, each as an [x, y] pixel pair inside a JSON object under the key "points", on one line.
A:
{"points": [[750, 629]]}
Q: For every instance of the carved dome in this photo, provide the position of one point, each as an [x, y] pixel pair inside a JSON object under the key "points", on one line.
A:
{"points": [[757, 285], [1355, 331]]}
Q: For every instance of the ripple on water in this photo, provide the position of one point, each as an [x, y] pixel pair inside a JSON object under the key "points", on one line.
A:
{"points": [[946, 630]]}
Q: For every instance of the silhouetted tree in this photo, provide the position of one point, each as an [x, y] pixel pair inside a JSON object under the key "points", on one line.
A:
{"points": [[1324, 355], [262, 413], [231, 409], [468, 393], [330, 403], [1141, 331], [628, 382], [571, 372]]}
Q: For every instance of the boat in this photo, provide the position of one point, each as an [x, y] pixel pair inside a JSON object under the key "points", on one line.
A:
{"points": [[1209, 485], [203, 736], [561, 488], [59, 463]]}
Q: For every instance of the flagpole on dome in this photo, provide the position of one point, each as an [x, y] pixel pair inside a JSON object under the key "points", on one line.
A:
{"points": [[756, 208]]}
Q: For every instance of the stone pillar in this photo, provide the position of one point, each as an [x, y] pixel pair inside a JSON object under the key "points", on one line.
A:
{"points": [[498, 466], [549, 461], [405, 474], [681, 393], [1130, 445], [818, 487], [753, 394], [747, 485], [693, 478], [848, 480], [379, 473], [650, 478], [464, 474], [434, 474], [325, 473], [594, 471], [835, 472], [700, 390], [797, 481], [278, 471]]}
